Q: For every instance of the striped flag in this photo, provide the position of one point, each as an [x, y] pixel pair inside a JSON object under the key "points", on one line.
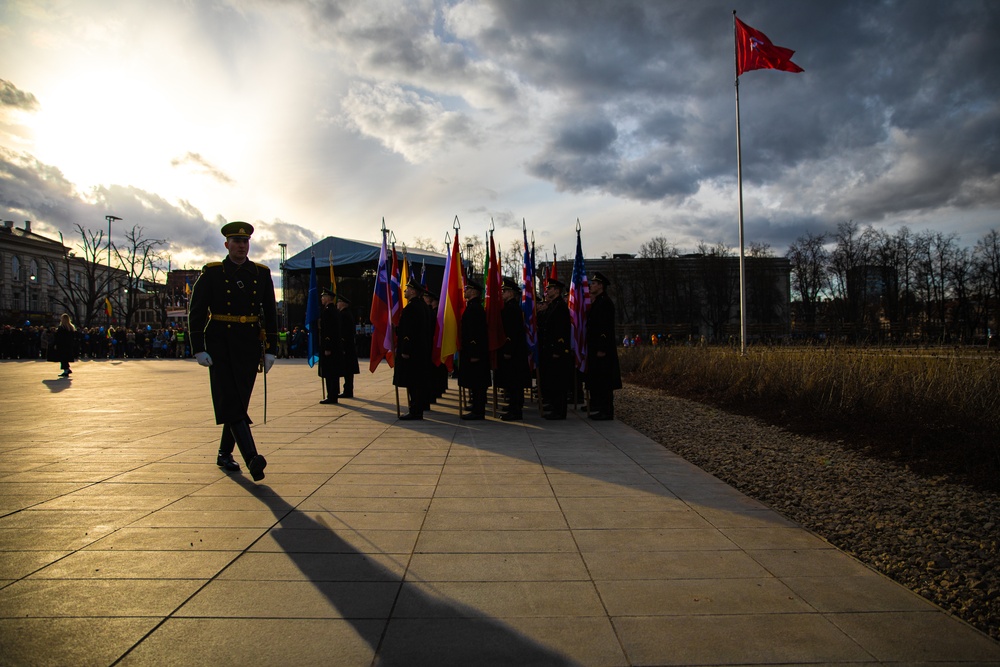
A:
{"points": [[579, 304], [528, 300], [452, 305], [379, 315]]}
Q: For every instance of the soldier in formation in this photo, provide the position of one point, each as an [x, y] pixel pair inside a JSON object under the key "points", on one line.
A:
{"points": [[331, 354], [603, 371]]}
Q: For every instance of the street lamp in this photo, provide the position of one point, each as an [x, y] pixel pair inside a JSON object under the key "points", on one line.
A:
{"points": [[109, 218], [30, 281], [281, 267]]}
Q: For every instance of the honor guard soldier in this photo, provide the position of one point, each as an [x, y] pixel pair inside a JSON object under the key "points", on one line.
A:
{"points": [[474, 360], [413, 351], [348, 346], [603, 370], [512, 373], [233, 324], [329, 343], [555, 361]]}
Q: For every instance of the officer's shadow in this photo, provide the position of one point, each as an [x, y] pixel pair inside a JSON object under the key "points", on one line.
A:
{"points": [[485, 641], [58, 385]]}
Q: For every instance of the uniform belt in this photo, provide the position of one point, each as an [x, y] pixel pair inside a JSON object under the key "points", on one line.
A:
{"points": [[241, 319]]}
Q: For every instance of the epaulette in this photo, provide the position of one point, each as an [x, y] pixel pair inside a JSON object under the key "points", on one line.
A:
{"points": [[210, 265], [262, 266]]}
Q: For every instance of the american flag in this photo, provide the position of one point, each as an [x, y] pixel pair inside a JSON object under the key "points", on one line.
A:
{"points": [[528, 301], [579, 304]]}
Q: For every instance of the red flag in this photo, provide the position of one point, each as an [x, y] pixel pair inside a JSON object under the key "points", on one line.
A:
{"points": [[579, 305], [755, 51], [379, 314], [494, 302]]}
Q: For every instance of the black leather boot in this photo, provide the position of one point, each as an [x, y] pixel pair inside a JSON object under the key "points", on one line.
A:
{"points": [[226, 445], [244, 440]]}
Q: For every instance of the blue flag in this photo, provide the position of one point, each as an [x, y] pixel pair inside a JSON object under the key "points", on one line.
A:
{"points": [[312, 316]]}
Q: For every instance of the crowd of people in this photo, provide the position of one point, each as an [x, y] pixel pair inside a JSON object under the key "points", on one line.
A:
{"points": [[33, 342]]}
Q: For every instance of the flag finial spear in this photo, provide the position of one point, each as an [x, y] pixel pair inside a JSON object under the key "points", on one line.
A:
{"points": [[456, 225]]}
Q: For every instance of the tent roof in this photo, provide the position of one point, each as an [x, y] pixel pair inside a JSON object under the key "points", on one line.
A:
{"points": [[348, 251]]}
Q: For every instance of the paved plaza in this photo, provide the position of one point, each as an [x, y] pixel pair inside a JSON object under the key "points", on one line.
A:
{"points": [[374, 541]]}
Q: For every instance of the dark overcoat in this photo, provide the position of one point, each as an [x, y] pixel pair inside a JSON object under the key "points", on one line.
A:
{"points": [[348, 344], [512, 370], [474, 345], [63, 345], [413, 346], [329, 341], [233, 291], [602, 371]]}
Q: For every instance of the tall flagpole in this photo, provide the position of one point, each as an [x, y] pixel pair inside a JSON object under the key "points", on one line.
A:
{"points": [[739, 189]]}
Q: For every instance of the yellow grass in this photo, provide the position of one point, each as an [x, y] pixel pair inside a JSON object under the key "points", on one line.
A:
{"points": [[940, 405]]}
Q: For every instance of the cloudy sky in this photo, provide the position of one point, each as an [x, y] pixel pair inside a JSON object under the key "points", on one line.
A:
{"points": [[312, 118]]}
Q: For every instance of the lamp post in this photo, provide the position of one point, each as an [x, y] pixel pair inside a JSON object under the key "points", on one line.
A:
{"points": [[27, 293], [109, 218], [281, 267]]}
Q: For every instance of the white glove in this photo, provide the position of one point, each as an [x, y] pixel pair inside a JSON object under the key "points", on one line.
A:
{"points": [[203, 358], [268, 362]]}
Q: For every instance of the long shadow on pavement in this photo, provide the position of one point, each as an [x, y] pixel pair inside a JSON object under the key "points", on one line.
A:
{"points": [[482, 640]]}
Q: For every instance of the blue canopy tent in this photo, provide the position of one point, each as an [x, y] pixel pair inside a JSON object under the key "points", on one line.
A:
{"points": [[354, 264]]}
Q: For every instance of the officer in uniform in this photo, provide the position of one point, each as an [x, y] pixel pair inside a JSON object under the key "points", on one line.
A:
{"points": [[348, 346], [474, 360], [233, 324], [555, 361], [329, 339], [603, 370], [437, 381], [413, 351], [512, 372]]}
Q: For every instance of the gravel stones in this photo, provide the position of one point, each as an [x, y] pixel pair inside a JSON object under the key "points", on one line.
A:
{"points": [[935, 537]]}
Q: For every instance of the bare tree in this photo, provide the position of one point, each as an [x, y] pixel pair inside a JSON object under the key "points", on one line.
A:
{"points": [[137, 259], [719, 284], [84, 282], [810, 278], [986, 257]]}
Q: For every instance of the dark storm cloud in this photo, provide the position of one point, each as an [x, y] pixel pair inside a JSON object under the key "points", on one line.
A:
{"points": [[900, 98]]}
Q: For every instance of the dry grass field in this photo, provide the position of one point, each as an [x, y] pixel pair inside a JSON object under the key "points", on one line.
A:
{"points": [[934, 410]]}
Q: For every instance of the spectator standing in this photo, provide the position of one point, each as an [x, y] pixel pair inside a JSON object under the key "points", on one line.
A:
{"points": [[65, 344]]}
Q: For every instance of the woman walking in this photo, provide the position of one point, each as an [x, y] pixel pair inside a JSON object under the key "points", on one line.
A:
{"points": [[65, 344]]}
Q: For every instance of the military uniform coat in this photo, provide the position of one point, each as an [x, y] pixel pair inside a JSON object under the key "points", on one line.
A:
{"points": [[602, 372], [233, 290], [474, 345], [555, 358], [413, 340], [348, 345], [512, 360], [330, 341]]}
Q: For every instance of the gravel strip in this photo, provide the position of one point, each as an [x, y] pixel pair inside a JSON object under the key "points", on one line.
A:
{"points": [[937, 538]]}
